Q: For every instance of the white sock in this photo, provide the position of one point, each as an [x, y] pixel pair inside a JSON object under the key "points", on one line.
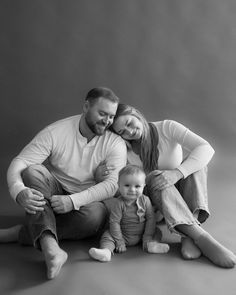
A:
{"points": [[103, 255], [158, 248]]}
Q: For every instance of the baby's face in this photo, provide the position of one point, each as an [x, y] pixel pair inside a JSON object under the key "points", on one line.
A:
{"points": [[131, 186]]}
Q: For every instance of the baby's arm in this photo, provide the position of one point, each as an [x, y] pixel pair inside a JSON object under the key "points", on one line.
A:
{"points": [[115, 228]]}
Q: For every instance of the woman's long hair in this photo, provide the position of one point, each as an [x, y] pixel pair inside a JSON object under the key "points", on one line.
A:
{"points": [[149, 152]]}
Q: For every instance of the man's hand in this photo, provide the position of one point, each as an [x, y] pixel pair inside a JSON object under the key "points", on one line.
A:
{"points": [[31, 200], [164, 179], [61, 204]]}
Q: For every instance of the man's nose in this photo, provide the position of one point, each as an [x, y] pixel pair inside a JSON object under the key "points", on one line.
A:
{"points": [[106, 120]]}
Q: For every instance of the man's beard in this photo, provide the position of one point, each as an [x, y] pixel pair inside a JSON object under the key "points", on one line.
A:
{"points": [[97, 128]]}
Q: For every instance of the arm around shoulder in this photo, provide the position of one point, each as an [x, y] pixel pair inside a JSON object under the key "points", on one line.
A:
{"points": [[116, 157]]}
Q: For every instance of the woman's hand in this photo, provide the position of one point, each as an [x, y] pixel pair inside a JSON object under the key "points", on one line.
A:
{"points": [[102, 171], [159, 180]]}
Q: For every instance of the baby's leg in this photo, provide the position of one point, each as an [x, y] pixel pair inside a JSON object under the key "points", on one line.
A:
{"points": [[107, 246], [10, 234]]}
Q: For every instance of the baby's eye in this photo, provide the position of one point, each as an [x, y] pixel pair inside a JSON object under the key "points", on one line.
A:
{"points": [[138, 186], [126, 185]]}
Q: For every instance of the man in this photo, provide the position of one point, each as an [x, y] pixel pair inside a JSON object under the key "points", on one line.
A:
{"points": [[61, 198]]}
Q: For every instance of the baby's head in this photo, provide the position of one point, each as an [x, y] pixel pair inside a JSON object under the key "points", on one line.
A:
{"points": [[131, 182]]}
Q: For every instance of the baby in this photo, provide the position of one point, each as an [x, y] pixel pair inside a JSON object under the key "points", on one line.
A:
{"points": [[131, 219]]}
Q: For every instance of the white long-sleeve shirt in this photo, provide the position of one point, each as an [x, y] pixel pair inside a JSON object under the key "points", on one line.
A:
{"points": [[72, 160], [179, 148]]}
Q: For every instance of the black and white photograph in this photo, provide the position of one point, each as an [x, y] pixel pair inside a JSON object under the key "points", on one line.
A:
{"points": [[118, 147]]}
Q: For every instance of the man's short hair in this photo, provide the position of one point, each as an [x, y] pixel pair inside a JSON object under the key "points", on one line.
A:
{"points": [[94, 94]]}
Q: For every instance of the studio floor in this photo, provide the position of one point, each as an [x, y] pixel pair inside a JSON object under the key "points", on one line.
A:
{"points": [[22, 269]]}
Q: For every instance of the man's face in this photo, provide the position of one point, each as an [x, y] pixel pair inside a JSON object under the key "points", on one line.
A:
{"points": [[100, 115]]}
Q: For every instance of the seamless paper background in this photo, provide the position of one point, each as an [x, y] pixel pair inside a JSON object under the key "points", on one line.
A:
{"points": [[171, 59]]}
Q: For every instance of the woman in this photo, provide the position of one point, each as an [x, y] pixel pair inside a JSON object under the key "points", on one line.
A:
{"points": [[175, 161]]}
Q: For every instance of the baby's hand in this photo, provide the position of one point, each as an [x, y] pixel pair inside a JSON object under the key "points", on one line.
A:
{"points": [[121, 248], [145, 244]]}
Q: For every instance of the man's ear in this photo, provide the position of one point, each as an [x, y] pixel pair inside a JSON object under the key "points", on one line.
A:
{"points": [[85, 106]]}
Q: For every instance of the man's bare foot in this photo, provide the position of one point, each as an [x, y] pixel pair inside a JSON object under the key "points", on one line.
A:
{"points": [[55, 257], [10, 234], [54, 262]]}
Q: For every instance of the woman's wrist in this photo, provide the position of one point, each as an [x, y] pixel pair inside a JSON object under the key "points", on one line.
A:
{"points": [[179, 174]]}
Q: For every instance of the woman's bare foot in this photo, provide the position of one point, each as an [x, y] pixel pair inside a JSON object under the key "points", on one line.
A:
{"points": [[215, 251], [189, 250]]}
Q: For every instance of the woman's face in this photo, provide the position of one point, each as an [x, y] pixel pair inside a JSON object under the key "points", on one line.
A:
{"points": [[128, 127]]}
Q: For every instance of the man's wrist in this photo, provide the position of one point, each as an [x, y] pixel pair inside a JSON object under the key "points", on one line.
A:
{"points": [[15, 189], [72, 204]]}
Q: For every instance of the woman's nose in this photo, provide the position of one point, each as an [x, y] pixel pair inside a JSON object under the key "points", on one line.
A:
{"points": [[129, 130]]}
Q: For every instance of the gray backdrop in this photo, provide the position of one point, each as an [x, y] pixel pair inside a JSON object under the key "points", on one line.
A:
{"points": [[171, 59]]}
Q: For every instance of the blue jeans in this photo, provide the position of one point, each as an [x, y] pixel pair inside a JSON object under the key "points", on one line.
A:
{"points": [[88, 221], [180, 203]]}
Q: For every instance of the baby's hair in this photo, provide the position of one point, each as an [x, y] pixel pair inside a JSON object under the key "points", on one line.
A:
{"points": [[131, 170]]}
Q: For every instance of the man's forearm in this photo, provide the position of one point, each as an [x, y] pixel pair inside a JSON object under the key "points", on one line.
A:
{"points": [[96, 193], [14, 179]]}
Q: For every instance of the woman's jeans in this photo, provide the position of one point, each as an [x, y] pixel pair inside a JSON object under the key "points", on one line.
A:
{"points": [[86, 222], [186, 202]]}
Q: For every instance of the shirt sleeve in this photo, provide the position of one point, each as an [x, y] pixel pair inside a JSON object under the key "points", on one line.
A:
{"points": [[114, 222], [199, 151], [38, 150], [116, 157], [35, 152]]}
